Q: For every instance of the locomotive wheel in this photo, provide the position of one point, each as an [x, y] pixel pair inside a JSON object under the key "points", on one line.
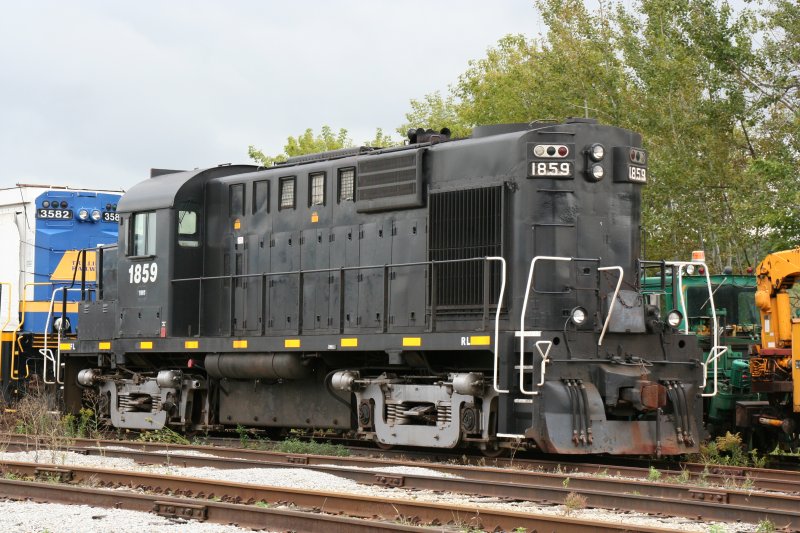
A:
{"points": [[494, 452], [383, 445]]}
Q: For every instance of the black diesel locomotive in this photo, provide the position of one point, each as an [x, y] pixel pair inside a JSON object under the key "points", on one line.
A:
{"points": [[475, 292]]}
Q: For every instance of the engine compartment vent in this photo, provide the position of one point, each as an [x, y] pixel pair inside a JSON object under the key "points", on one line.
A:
{"points": [[390, 181]]}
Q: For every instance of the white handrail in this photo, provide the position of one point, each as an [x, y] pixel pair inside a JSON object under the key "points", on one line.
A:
{"points": [[522, 320], [545, 360], [47, 353], [613, 300], [495, 382], [716, 350]]}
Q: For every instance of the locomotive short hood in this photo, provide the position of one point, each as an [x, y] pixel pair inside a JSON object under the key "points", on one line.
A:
{"points": [[161, 191]]}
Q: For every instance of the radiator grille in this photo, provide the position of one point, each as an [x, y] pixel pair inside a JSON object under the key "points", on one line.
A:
{"points": [[463, 225]]}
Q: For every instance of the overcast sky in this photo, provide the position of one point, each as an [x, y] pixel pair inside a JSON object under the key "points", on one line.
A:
{"points": [[95, 93]]}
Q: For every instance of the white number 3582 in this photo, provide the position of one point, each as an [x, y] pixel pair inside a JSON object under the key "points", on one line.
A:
{"points": [[143, 272]]}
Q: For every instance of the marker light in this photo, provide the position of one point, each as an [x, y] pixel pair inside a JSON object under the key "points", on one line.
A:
{"points": [[95, 215], [597, 152], [674, 318], [63, 204], [578, 316], [690, 269], [597, 172], [45, 204], [83, 214]]}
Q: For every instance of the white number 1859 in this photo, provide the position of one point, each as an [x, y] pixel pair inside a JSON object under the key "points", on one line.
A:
{"points": [[143, 272]]}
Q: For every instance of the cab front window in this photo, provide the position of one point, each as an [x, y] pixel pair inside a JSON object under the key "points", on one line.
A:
{"points": [[143, 234]]}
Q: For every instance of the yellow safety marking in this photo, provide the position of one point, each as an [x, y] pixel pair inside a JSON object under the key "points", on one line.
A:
{"points": [[104, 346], [314, 217], [7, 337], [44, 307], [240, 344], [191, 345], [237, 224], [483, 340], [348, 343], [291, 343], [146, 345], [412, 341], [66, 346]]}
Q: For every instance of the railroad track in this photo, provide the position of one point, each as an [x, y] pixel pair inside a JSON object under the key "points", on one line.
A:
{"points": [[678, 497], [237, 503]]}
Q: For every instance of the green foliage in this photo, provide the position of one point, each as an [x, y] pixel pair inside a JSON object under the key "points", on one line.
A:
{"points": [[82, 426], [653, 474], [765, 526], [293, 445], [165, 435], [310, 143], [728, 450], [718, 114]]}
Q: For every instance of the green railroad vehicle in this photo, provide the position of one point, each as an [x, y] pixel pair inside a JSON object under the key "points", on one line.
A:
{"points": [[738, 327]]}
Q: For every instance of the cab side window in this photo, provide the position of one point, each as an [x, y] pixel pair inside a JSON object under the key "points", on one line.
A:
{"points": [[143, 234], [188, 234]]}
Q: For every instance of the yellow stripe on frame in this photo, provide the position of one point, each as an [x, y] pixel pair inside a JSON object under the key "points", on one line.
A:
{"points": [[191, 345], [44, 307], [104, 346], [146, 345], [483, 340], [412, 341], [348, 343], [66, 346], [240, 344], [291, 343]]}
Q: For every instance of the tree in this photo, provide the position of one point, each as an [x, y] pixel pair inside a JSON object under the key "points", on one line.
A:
{"points": [[309, 143]]}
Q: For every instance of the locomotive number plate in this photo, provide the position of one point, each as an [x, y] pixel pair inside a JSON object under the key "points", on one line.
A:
{"points": [[55, 214], [551, 169], [109, 216]]}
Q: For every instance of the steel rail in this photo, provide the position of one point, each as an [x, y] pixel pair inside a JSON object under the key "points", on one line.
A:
{"points": [[786, 481], [717, 503], [197, 501]]}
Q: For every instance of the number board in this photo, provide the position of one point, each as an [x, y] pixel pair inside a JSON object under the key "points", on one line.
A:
{"points": [[110, 216], [551, 169], [54, 214], [630, 164]]}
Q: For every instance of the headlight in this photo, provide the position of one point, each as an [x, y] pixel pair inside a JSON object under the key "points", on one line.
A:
{"points": [[674, 318], [597, 172], [578, 316], [83, 214], [95, 215], [597, 152], [690, 269]]}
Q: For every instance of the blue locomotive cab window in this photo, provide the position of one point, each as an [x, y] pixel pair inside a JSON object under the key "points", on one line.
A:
{"points": [[143, 234], [188, 234]]}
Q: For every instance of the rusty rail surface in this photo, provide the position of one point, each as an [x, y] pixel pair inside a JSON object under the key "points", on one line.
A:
{"points": [[786, 481], [193, 498], [675, 499]]}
